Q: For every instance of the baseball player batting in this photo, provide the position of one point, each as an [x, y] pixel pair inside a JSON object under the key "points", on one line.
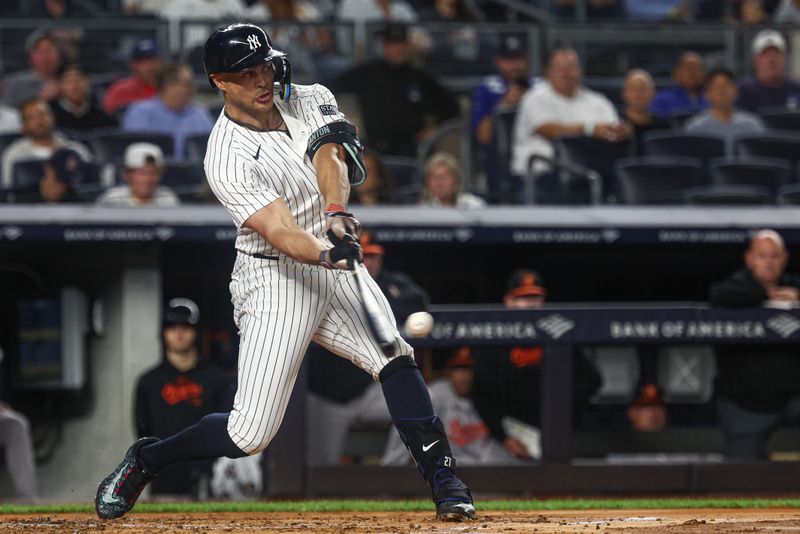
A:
{"points": [[281, 158]]}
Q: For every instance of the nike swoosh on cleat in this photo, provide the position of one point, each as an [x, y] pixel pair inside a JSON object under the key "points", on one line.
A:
{"points": [[426, 448], [108, 495], [255, 157]]}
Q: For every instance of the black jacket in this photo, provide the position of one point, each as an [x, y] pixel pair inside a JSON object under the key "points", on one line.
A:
{"points": [[757, 377], [396, 103]]}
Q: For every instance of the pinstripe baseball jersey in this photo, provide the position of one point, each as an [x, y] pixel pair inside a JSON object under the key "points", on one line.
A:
{"points": [[281, 305], [248, 169]]}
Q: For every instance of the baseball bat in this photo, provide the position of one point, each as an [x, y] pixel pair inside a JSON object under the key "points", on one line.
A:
{"points": [[376, 320]]}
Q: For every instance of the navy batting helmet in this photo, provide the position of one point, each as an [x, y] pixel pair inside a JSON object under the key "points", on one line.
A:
{"points": [[241, 46]]}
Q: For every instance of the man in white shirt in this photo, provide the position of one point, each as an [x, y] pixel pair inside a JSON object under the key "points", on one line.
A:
{"points": [[144, 164], [558, 107], [40, 141]]}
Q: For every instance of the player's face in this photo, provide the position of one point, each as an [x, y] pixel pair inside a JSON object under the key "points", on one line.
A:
{"points": [[250, 90], [179, 337], [143, 181], [461, 379]]}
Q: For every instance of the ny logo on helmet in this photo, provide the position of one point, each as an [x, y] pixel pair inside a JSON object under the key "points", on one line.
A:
{"points": [[253, 41]]}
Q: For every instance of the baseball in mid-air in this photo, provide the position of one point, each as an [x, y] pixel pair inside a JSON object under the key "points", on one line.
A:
{"points": [[419, 324]]}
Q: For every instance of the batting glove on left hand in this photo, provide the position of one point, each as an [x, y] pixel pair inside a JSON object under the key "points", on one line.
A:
{"points": [[342, 256]]}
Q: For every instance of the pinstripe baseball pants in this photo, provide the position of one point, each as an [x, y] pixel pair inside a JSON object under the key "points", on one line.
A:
{"points": [[280, 306]]}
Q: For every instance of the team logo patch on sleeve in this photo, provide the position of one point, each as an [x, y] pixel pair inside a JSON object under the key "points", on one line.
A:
{"points": [[328, 109]]}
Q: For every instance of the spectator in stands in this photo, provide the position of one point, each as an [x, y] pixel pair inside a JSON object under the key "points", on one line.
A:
{"points": [[340, 395], [447, 11], [443, 186], [638, 92], [176, 10], [419, 102], [722, 118], [144, 165], [561, 106], [788, 12], [60, 174], [508, 378], [770, 88], [40, 139], [44, 59], [758, 386], [648, 413], [179, 391], [686, 96], [470, 439], [145, 62], [377, 187], [75, 107], [751, 12], [172, 111], [502, 91]]}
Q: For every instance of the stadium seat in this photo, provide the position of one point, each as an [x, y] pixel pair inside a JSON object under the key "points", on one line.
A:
{"points": [[502, 185], [597, 155], [789, 194], [109, 144], [657, 179], [743, 195], [196, 147], [677, 120], [770, 173], [772, 145], [781, 119], [183, 177], [702, 147]]}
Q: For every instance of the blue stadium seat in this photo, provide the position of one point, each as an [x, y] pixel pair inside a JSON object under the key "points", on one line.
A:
{"points": [[771, 145], [502, 185], [702, 147], [781, 119], [183, 177], [597, 155], [769, 173], [405, 176], [109, 144], [658, 179], [25, 175], [789, 194]]}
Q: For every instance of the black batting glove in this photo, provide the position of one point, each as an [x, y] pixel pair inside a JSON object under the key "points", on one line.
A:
{"points": [[341, 223], [342, 256]]}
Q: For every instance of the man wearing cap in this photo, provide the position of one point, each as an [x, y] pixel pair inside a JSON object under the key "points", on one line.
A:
{"points": [[75, 107], [39, 142], [144, 164], [469, 436], [418, 102], [172, 111], [145, 62], [44, 59], [179, 391], [770, 87]]}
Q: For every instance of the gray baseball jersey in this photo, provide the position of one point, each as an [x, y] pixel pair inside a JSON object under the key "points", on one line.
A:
{"points": [[281, 305]]}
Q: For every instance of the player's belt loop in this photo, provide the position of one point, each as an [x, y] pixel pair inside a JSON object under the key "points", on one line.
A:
{"points": [[265, 257]]}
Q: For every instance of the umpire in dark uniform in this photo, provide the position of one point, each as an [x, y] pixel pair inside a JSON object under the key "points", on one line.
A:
{"points": [[758, 386], [179, 391]]}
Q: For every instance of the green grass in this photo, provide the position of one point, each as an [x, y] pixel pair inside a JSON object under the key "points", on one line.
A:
{"points": [[417, 505]]}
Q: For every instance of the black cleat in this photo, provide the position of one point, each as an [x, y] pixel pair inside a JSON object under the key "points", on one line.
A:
{"points": [[452, 497], [117, 493]]}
